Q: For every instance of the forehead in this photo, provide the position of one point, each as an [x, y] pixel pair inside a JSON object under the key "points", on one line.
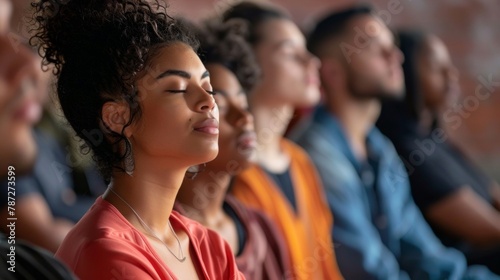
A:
{"points": [[177, 56], [280, 30], [369, 27], [435, 48], [223, 80]]}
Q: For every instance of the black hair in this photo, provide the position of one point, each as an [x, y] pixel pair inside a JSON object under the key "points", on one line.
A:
{"points": [[334, 25], [255, 15], [224, 43], [412, 44], [99, 49]]}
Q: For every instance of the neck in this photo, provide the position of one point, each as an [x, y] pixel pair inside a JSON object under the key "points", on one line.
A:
{"points": [[357, 117], [202, 198], [270, 124], [150, 191]]}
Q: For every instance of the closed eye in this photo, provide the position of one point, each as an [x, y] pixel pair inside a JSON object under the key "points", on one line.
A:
{"points": [[176, 90], [212, 92]]}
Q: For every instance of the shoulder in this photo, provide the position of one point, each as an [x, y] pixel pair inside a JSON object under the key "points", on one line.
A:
{"points": [[297, 153], [109, 257], [101, 228]]}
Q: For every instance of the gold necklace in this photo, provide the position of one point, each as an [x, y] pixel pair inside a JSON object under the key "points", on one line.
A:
{"points": [[182, 258]]}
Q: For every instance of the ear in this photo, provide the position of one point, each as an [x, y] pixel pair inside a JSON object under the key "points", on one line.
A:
{"points": [[115, 115]]}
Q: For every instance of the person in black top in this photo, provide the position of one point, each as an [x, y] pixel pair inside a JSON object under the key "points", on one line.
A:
{"points": [[460, 202]]}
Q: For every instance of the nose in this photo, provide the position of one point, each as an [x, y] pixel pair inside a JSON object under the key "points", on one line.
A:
{"points": [[453, 74], [205, 102], [244, 118], [312, 61], [398, 55]]}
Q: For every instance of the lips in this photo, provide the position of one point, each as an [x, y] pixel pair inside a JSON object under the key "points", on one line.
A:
{"points": [[208, 126], [29, 111], [247, 140]]}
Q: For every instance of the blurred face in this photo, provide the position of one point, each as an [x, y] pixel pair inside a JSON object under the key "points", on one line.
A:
{"points": [[289, 71], [237, 140], [179, 116], [374, 70], [5, 15], [437, 74], [22, 92]]}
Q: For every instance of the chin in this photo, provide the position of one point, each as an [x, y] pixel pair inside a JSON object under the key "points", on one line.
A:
{"points": [[310, 98], [21, 156], [211, 154]]}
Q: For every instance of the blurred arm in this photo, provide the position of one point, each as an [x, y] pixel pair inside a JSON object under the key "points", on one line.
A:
{"points": [[468, 216]]}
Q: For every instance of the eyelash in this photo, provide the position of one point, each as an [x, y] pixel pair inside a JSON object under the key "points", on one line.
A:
{"points": [[211, 92], [176, 91]]}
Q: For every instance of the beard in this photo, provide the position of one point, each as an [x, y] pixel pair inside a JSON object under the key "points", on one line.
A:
{"points": [[365, 88]]}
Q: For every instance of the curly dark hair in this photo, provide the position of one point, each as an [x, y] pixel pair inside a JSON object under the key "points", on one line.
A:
{"points": [[99, 49], [255, 14], [224, 43]]}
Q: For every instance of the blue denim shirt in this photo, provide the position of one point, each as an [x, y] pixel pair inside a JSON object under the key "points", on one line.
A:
{"points": [[378, 231]]}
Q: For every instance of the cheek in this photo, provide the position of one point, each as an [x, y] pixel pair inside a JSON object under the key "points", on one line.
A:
{"points": [[160, 124], [226, 133], [433, 84]]}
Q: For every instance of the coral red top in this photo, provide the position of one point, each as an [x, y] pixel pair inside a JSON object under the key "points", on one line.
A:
{"points": [[104, 245]]}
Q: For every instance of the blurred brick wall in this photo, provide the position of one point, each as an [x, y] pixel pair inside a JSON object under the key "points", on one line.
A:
{"points": [[471, 30]]}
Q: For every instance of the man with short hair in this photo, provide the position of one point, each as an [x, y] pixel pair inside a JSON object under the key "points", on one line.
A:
{"points": [[378, 230]]}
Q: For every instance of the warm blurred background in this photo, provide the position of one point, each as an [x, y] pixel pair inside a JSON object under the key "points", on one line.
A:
{"points": [[470, 29]]}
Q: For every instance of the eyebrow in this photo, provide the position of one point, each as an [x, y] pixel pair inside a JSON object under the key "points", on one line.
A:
{"points": [[180, 73]]}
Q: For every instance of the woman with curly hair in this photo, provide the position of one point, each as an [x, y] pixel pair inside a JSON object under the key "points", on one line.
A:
{"points": [[132, 87], [257, 245], [285, 184]]}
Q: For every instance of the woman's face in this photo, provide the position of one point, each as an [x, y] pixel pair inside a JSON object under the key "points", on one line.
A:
{"points": [[5, 15], [237, 141], [289, 71], [179, 117], [438, 76]]}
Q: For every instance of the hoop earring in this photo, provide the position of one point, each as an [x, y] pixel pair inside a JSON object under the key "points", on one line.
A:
{"points": [[194, 170], [129, 159]]}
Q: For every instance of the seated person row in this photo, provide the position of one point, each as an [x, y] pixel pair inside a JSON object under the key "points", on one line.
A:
{"points": [[379, 231]]}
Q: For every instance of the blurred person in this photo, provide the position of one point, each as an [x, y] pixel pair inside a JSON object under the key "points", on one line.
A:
{"points": [[259, 249], [22, 92], [46, 203], [284, 184], [132, 87], [379, 231], [457, 199]]}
